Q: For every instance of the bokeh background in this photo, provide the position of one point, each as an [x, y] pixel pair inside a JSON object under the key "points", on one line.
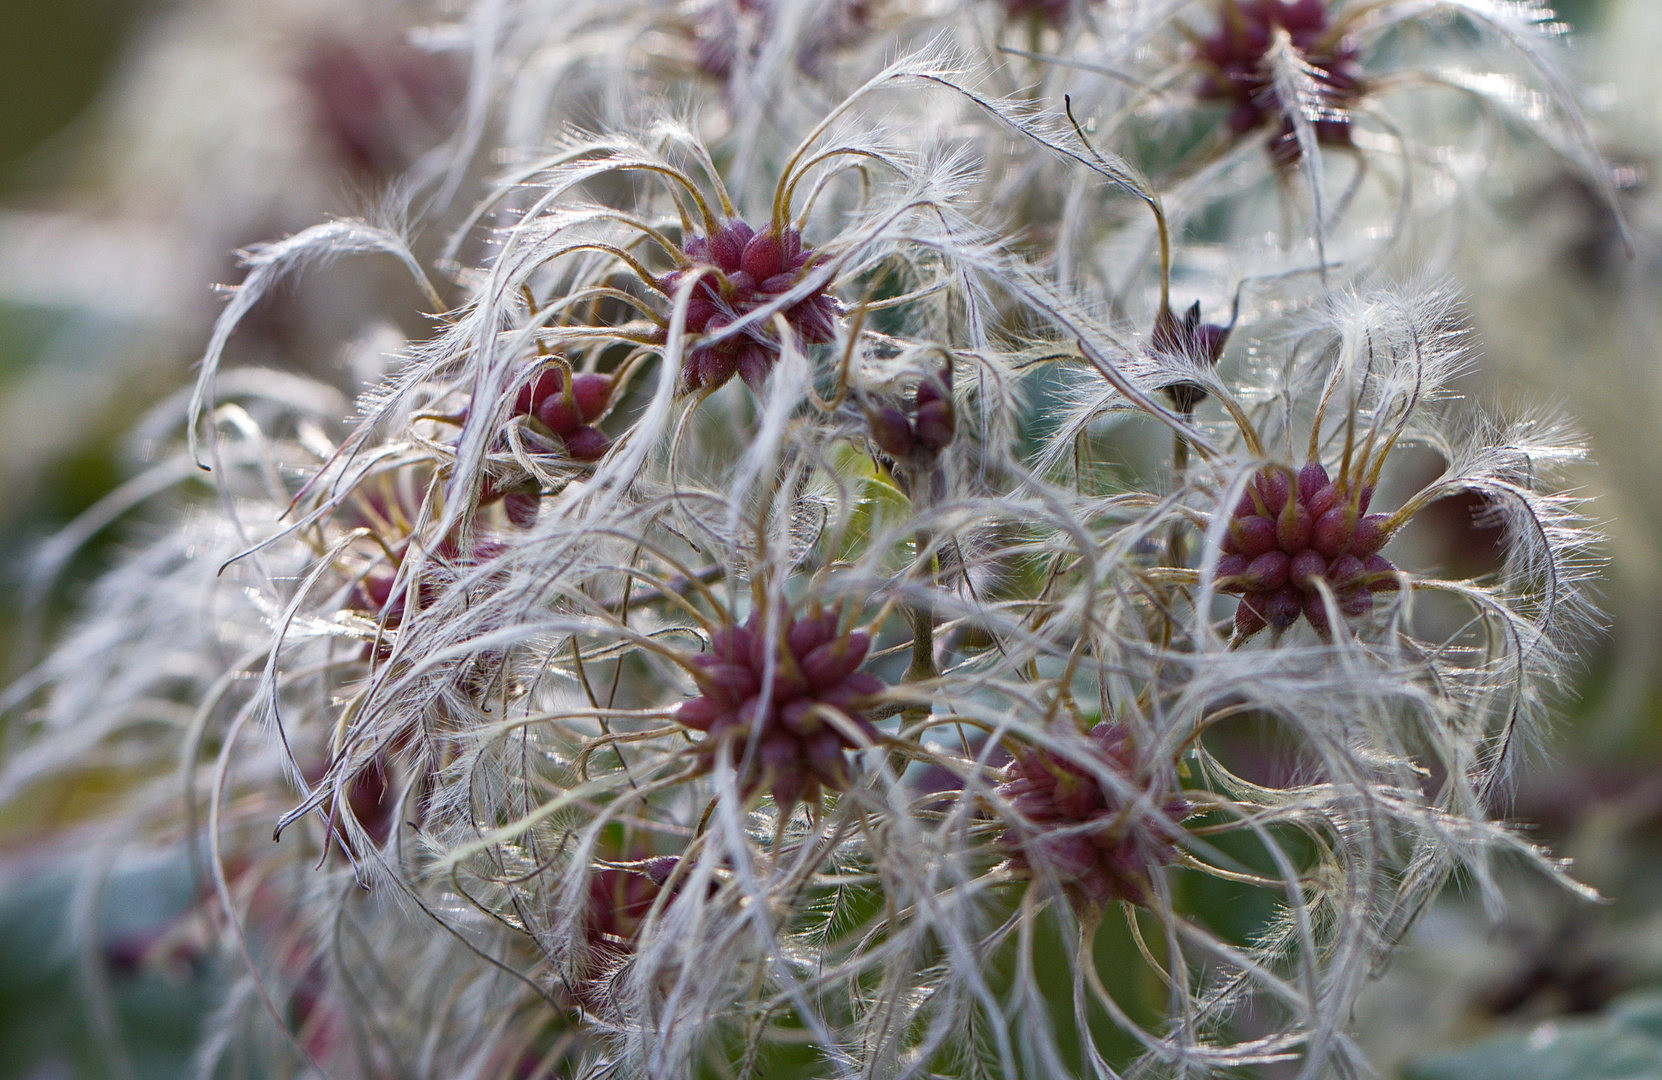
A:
{"points": [[142, 142]]}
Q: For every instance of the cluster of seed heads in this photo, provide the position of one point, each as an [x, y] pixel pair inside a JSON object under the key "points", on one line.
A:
{"points": [[783, 725]]}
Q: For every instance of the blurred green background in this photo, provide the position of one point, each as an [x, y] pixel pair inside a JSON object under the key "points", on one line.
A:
{"points": [[56, 56], [63, 993]]}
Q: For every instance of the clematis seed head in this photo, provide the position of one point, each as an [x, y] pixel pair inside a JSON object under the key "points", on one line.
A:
{"points": [[741, 270], [1293, 531], [1081, 831], [814, 672], [1237, 69]]}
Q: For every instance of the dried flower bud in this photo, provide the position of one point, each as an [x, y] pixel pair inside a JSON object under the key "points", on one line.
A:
{"points": [[1188, 338], [891, 430], [923, 430]]}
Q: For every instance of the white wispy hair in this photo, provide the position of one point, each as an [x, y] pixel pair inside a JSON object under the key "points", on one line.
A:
{"points": [[837, 719]]}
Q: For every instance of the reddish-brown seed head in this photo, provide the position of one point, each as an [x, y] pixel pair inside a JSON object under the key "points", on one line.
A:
{"points": [[1236, 69], [795, 692], [1292, 532], [568, 413], [1078, 829], [740, 271]]}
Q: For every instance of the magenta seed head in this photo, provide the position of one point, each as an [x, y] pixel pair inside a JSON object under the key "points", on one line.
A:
{"points": [[1234, 70], [1187, 337], [809, 671], [538, 389], [567, 413], [740, 271], [1274, 563], [619, 900], [1353, 603], [375, 590], [925, 429], [1075, 828]]}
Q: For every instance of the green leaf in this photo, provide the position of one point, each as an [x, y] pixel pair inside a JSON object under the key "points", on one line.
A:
{"points": [[1624, 1043]]}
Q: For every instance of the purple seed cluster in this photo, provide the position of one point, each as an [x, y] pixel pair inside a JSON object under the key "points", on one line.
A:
{"points": [[726, 32], [1288, 533], [798, 749], [926, 428], [741, 270], [1236, 72], [566, 413], [1079, 831], [722, 33], [375, 592], [569, 414]]}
